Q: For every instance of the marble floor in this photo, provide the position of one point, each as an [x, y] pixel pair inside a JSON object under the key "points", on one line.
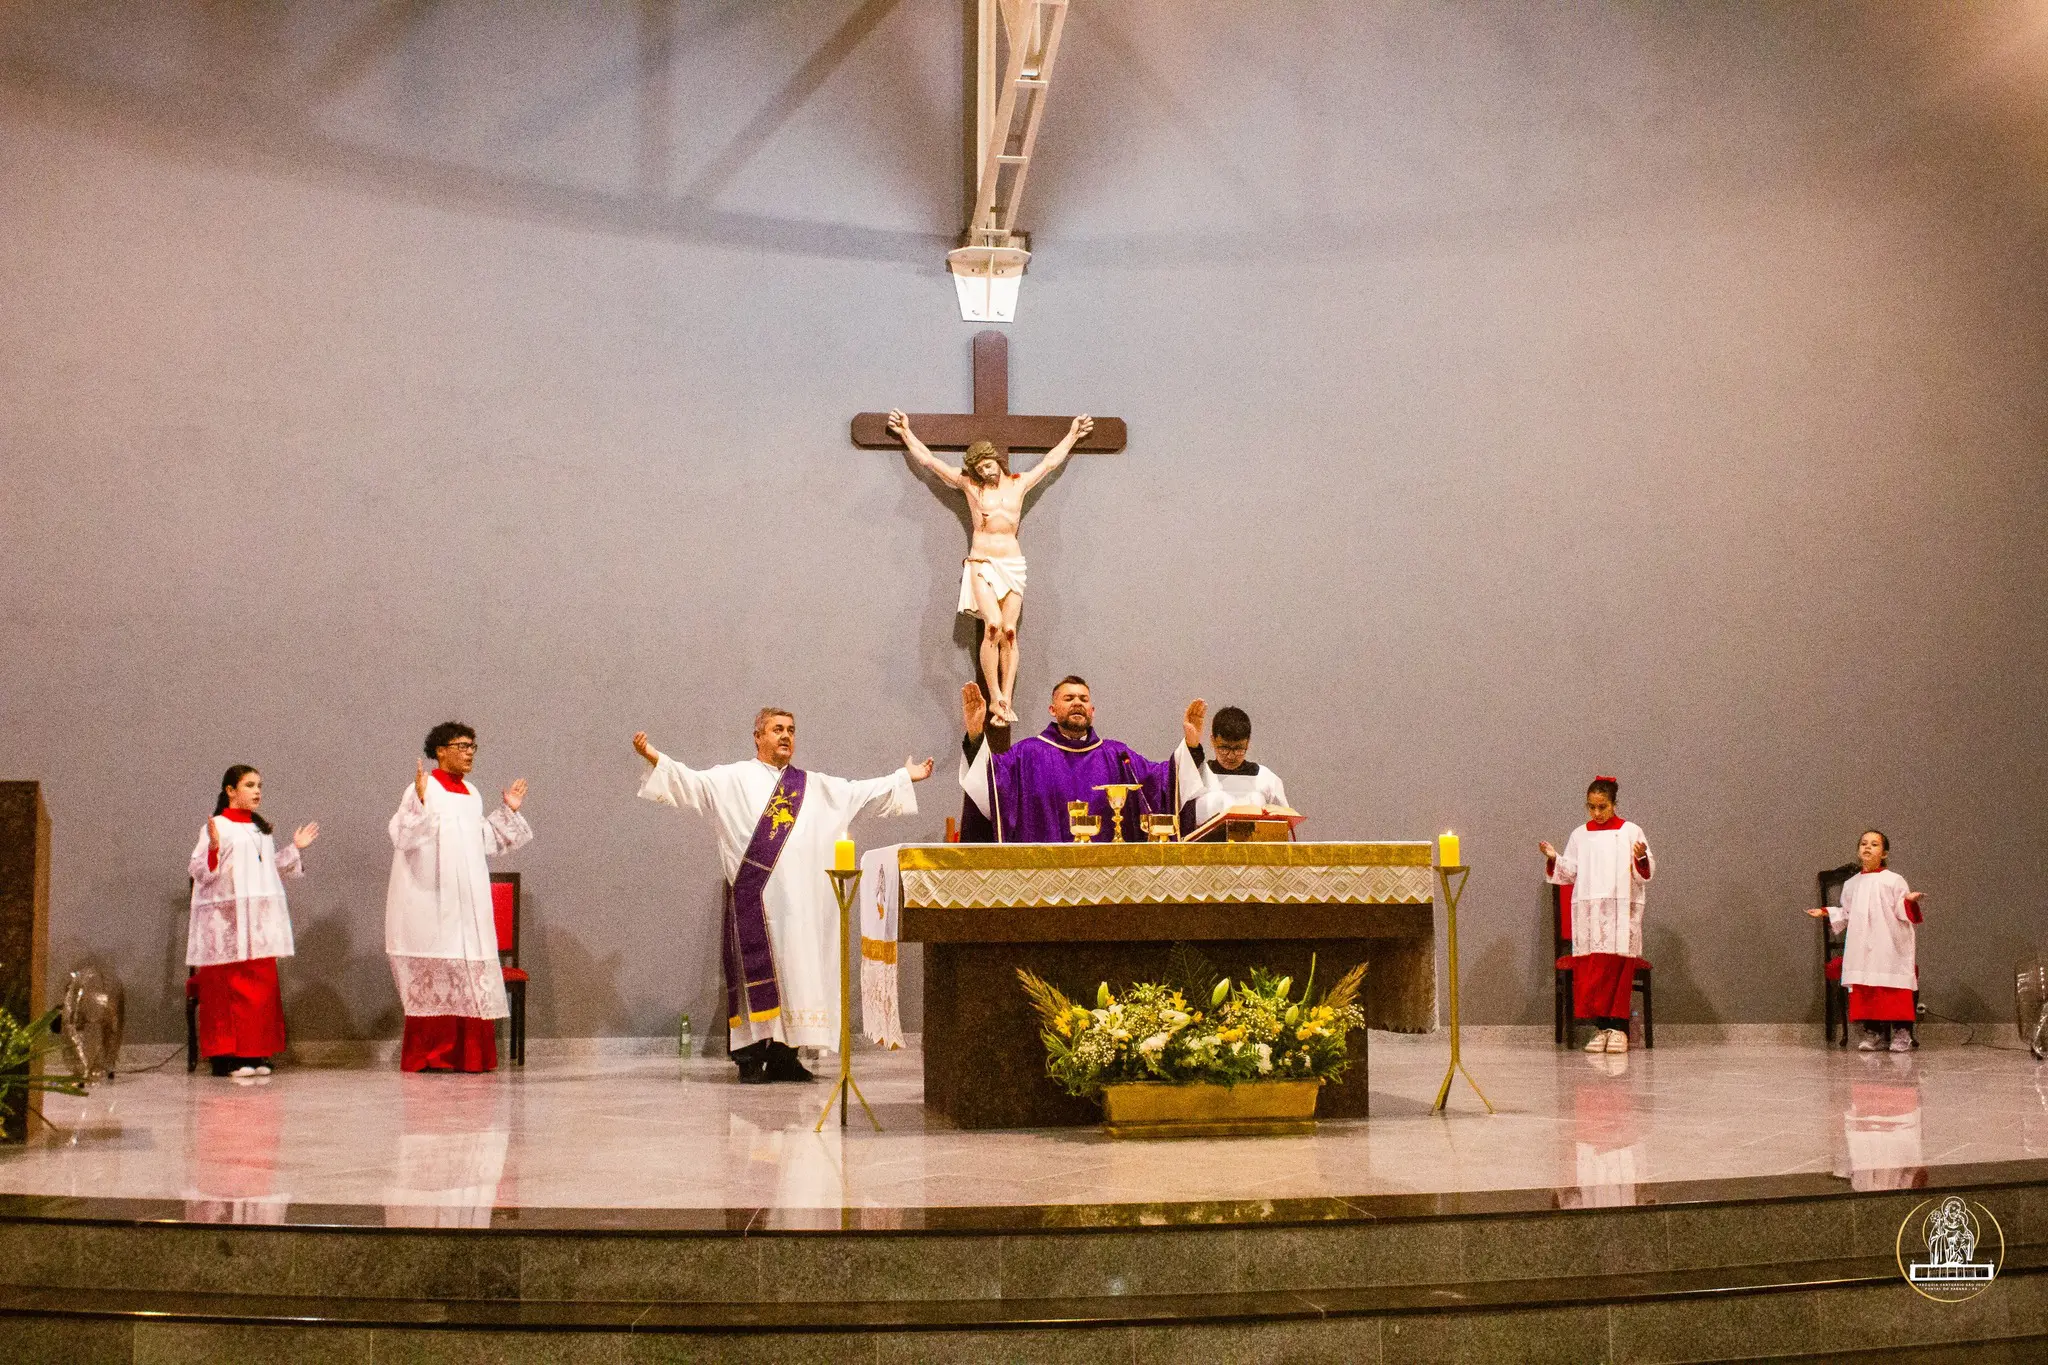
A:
{"points": [[651, 1132]]}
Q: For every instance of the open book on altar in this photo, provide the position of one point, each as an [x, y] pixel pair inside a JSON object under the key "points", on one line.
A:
{"points": [[1247, 824]]}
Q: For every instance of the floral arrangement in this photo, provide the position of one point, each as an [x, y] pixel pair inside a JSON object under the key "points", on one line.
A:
{"points": [[1254, 1029], [21, 1044]]}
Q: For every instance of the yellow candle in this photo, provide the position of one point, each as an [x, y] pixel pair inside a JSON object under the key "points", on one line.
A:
{"points": [[842, 856], [1447, 850]]}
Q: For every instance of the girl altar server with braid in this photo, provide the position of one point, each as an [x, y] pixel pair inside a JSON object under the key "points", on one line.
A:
{"points": [[1608, 864], [1880, 965], [439, 931], [240, 926]]}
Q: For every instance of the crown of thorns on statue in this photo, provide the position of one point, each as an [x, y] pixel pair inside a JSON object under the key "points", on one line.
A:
{"points": [[984, 450]]}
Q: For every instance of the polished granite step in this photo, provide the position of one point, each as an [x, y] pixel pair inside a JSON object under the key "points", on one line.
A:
{"points": [[1708, 1314]]}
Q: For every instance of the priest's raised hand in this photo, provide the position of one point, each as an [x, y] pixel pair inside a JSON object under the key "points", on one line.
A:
{"points": [[918, 771], [973, 711], [1191, 722]]}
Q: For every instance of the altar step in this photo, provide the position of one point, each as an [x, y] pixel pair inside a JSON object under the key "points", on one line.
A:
{"points": [[1705, 1280]]}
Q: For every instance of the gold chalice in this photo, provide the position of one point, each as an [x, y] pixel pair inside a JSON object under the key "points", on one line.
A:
{"points": [[1160, 829], [1117, 793], [1082, 823]]}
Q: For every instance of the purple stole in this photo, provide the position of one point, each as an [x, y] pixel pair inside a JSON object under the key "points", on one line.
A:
{"points": [[752, 993]]}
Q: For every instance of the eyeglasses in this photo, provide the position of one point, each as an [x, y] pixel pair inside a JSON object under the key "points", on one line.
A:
{"points": [[467, 745]]}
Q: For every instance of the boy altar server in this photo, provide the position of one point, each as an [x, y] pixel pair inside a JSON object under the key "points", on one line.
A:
{"points": [[438, 927], [1231, 778], [776, 827], [1608, 864], [1879, 963]]}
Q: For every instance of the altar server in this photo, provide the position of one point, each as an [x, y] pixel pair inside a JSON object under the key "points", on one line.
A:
{"points": [[1230, 778], [777, 825], [240, 927], [438, 927], [1020, 796], [1879, 963], [1608, 864]]}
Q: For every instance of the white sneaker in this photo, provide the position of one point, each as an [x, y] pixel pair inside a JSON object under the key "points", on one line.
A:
{"points": [[263, 1071], [1599, 1043], [1617, 1041], [1902, 1041], [243, 1071], [1868, 1043]]}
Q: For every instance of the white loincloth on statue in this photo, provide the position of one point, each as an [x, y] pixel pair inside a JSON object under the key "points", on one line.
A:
{"points": [[1003, 574]]}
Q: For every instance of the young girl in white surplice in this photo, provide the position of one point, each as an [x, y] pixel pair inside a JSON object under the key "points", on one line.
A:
{"points": [[240, 927], [1608, 865], [1880, 965]]}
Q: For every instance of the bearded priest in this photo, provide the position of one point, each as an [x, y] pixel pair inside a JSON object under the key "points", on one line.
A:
{"points": [[1021, 795], [776, 827]]}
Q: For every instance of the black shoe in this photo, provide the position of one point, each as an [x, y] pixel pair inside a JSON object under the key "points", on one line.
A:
{"points": [[753, 1072], [785, 1064]]}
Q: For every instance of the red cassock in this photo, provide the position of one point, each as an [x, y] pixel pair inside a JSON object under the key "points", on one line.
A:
{"points": [[241, 1012], [449, 1042]]}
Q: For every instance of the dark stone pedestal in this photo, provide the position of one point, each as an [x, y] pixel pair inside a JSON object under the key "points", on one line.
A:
{"points": [[24, 921], [984, 1066]]}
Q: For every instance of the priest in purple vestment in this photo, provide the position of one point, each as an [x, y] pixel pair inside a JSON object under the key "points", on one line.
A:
{"points": [[1023, 794]]}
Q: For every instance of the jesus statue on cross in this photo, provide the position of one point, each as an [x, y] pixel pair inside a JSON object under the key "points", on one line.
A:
{"points": [[992, 578]]}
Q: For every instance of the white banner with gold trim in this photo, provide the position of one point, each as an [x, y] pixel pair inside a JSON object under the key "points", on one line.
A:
{"points": [[881, 903]]}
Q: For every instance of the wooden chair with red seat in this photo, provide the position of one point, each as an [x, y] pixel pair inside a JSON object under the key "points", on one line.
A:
{"points": [[1834, 995], [505, 910], [1561, 945]]}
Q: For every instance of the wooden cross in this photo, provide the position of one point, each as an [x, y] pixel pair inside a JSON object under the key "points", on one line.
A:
{"points": [[991, 419]]}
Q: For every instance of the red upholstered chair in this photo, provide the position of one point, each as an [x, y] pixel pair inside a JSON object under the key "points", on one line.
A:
{"points": [[505, 910], [1561, 945]]}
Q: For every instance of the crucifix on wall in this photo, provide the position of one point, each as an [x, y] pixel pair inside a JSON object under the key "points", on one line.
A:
{"points": [[992, 577]]}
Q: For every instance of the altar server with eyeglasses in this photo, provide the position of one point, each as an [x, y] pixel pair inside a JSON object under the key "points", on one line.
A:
{"points": [[240, 926], [439, 931]]}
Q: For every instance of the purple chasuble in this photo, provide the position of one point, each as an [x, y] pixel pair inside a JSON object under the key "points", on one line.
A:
{"points": [[1032, 783], [752, 991]]}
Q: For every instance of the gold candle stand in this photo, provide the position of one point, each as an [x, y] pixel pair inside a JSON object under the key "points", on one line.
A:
{"points": [[845, 886], [1453, 891]]}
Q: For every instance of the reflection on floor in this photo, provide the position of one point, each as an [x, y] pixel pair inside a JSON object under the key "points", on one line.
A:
{"points": [[651, 1132]]}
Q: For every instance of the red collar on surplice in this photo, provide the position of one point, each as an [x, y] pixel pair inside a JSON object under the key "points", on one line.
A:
{"points": [[450, 782], [1611, 822]]}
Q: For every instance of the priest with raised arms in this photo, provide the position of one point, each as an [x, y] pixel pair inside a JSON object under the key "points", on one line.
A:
{"points": [[776, 827], [1022, 794]]}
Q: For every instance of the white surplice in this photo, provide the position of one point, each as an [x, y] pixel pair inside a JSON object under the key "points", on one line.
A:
{"points": [[1879, 949], [803, 917], [1249, 784], [1607, 891], [439, 931], [238, 909]]}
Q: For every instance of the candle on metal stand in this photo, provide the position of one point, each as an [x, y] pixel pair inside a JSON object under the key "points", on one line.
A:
{"points": [[842, 856], [1447, 850]]}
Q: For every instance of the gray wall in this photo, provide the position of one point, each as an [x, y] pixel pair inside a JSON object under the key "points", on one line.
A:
{"points": [[1655, 390]]}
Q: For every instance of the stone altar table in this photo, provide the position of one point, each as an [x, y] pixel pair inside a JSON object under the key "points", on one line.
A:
{"points": [[1079, 914]]}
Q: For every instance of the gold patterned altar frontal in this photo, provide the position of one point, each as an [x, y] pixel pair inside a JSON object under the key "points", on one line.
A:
{"points": [[993, 876]]}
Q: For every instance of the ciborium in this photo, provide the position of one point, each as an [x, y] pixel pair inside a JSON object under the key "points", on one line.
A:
{"points": [[1117, 792], [1160, 828], [1082, 822]]}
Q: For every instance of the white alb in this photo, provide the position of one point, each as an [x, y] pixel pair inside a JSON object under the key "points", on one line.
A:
{"points": [[238, 909], [439, 931], [1607, 891]]}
